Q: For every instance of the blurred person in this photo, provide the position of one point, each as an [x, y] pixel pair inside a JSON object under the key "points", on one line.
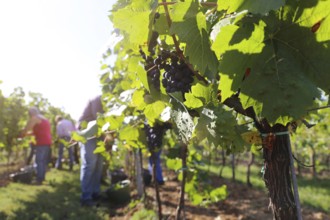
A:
{"points": [[91, 163], [64, 128], [40, 128], [159, 171], [154, 136]]}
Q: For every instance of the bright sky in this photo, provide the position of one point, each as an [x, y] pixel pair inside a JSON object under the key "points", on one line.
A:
{"points": [[54, 47]]}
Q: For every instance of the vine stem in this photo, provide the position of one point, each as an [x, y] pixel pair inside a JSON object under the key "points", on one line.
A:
{"points": [[152, 68], [176, 43], [294, 182], [315, 109], [169, 22]]}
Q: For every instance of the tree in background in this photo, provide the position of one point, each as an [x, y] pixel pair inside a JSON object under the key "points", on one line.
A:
{"points": [[14, 114]]}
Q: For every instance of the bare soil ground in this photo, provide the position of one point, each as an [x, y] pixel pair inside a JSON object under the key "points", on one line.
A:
{"points": [[242, 203]]}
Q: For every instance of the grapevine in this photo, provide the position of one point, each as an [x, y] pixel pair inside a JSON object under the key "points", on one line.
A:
{"points": [[262, 64]]}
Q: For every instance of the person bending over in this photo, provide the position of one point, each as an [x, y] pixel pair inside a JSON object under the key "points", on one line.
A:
{"points": [[64, 128], [40, 128]]}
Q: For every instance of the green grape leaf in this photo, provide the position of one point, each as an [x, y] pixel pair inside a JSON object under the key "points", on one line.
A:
{"points": [[206, 127], [184, 122], [229, 19], [100, 148], [138, 99], [200, 95], [76, 137], [282, 57], [258, 7], [219, 194], [192, 101], [189, 14], [115, 121], [153, 111], [311, 42], [137, 71], [134, 25], [225, 86], [174, 152], [174, 164], [160, 24], [213, 125], [125, 85], [129, 133], [223, 43], [196, 198]]}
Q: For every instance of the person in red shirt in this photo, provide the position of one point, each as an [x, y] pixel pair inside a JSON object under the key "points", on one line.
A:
{"points": [[40, 128]]}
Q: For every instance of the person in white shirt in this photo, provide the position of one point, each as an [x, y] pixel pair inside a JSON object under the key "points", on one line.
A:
{"points": [[64, 128]]}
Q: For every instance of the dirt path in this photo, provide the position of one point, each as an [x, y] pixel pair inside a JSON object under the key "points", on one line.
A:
{"points": [[242, 203]]}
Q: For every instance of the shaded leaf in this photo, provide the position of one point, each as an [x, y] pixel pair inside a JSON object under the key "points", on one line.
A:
{"points": [[213, 125], [184, 122], [287, 60], [189, 24]]}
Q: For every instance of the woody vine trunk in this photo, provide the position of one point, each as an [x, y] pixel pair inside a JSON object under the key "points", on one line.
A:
{"points": [[277, 176]]}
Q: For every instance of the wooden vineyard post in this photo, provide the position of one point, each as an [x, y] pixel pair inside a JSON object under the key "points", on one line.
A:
{"points": [[139, 177], [294, 182]]}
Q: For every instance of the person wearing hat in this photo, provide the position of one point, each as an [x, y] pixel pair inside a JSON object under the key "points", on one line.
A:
{"points": [[39, 126]]}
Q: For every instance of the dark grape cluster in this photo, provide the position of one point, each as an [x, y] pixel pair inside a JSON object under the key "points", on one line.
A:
{"points": [[155, 134], [177, 76]]}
